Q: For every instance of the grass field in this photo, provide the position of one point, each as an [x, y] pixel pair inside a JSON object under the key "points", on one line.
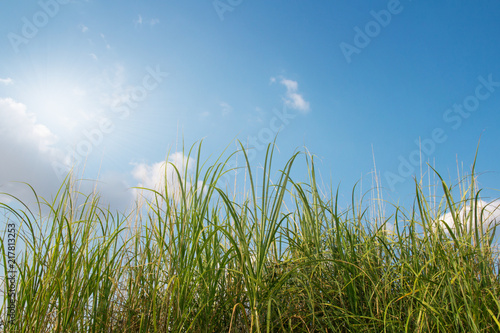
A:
{"points": [[287, 258]]}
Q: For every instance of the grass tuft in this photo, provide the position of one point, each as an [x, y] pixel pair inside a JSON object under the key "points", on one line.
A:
{"points": [[193, 259]]}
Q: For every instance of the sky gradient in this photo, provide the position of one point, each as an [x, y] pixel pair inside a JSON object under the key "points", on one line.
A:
{"points": [[117, 86]]}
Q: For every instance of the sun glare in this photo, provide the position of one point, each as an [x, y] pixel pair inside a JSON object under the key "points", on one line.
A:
{"points": [[59, 103]]}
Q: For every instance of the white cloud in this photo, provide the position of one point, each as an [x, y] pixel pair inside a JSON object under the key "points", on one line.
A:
{"points": [[93, 56], [488, 214], [154, 176], [27, 150], [292, 98], [7, 81], [20, 126], [83, 28], [154, 21], [291, 86], [296, 101], [29, 154]]}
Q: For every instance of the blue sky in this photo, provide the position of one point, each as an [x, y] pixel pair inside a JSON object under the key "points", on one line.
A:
{"points": [[127, 81]]}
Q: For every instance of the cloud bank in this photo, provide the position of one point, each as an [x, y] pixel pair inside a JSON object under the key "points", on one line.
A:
{"points": [[488, 214], [27, 151]]}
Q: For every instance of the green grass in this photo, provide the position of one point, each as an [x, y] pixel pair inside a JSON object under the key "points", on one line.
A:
{"points": [[198, 261]]}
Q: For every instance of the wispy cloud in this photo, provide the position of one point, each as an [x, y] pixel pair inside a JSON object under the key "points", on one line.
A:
{"points": [[93, 56], [293, 98], [226, 108], [7, 81], [105, 41], [140, 21], [83, 28], [204, 115]]}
